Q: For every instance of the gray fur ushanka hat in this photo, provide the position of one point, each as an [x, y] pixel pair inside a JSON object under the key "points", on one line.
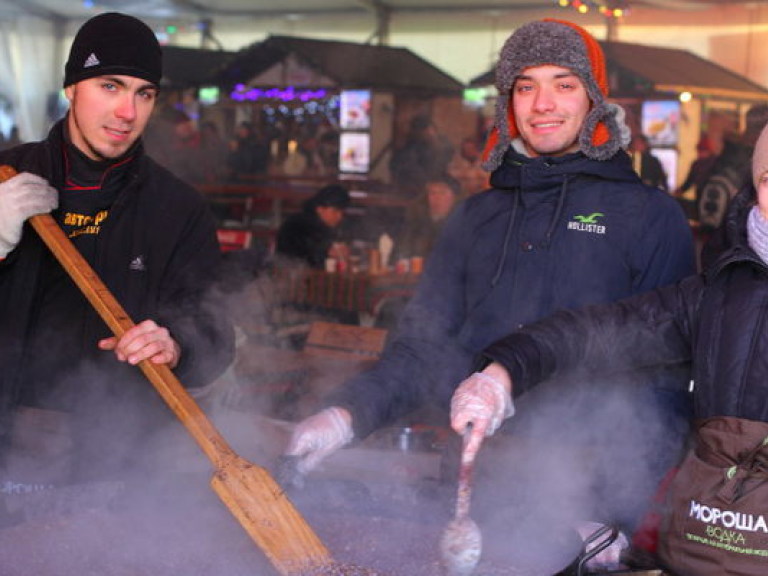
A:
{"points": [[557, 43]]}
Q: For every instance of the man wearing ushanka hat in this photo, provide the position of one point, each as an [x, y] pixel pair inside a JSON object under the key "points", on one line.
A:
{"points": [[566, 223]]}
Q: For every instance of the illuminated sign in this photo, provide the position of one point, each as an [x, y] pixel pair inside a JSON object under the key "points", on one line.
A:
{"points": [[208, 95], [355, 110], [243, 93], [475, 97]]}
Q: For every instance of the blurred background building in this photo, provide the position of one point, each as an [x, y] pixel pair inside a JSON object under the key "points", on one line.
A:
{"points": [[328, 89]]}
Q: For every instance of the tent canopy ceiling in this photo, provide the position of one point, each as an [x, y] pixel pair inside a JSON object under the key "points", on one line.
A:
{"points": [[79, 10], [348, 64]]}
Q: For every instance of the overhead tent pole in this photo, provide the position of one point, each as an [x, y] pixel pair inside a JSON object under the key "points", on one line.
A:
{"points": [[383, 20]]}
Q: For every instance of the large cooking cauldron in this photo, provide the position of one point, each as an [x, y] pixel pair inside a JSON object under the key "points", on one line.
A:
{"points": [[156, 530], [388, 517]]}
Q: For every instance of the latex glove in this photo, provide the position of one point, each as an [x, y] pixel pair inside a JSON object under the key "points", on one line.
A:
{"points": [[485, 400], [319, 436], [143, 341], [21, 197], [610, 557]]}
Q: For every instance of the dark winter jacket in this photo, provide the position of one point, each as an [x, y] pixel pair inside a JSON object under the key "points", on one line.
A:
{"points": [[716, 320], [552, 233], [305, 237], [652, 172], [157, 253]]}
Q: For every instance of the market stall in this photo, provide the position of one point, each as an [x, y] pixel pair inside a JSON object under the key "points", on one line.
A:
{"points": [[331, 107]]}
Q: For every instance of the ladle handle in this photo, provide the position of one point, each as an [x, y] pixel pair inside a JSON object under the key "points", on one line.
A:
{"points": [[464, 493]]}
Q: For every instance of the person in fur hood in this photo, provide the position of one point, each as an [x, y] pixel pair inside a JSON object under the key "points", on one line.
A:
{"points": [[715, 320]]}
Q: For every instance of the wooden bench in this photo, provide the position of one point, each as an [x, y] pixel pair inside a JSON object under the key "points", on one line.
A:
{"points": [[345, 341], [290, 384]]}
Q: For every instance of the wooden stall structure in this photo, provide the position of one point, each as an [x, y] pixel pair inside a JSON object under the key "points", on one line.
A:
{"points": [[324, 111]]}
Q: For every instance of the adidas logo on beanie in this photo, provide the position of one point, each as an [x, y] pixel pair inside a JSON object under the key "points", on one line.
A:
{"points": [[114, 43]]}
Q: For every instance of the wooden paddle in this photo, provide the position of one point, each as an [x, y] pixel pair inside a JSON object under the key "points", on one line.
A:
{"points": [[249, 491]]}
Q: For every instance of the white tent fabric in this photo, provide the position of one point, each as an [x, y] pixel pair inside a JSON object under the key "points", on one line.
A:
{"points": [[30, 73]]}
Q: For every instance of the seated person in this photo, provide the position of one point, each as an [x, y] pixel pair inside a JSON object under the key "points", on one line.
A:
{"points": [[312, 234], [424, 223], [466, 167], [647, 166], [421, 230]]}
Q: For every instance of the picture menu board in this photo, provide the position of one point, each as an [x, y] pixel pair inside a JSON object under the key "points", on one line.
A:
{"points": [[354, 152], [355, 110], [355, 138], [660, 122]]}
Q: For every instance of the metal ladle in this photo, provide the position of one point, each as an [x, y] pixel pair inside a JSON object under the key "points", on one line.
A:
{"points": [[461, 542]]}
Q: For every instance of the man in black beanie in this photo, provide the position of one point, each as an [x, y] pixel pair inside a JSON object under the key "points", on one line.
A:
{"points": [[151, 239]]}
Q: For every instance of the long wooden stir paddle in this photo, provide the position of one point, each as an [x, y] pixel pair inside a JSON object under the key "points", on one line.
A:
{"points": [[249, 491]]}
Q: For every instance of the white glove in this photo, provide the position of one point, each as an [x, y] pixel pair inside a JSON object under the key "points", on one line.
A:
{"points": [[21, 197], [482, 400], [610, 557], [319, 436]]}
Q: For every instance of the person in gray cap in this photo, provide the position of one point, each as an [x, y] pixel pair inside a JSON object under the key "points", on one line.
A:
{"points": [[149, 236], [566, 223]]}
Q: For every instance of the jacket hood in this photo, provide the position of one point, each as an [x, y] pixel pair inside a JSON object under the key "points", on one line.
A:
{"points": [[517, 169], [729, 241], [735, 224]]}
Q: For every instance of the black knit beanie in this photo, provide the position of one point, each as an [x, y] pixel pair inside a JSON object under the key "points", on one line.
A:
{"points": [[114, 43], [334, 195]]}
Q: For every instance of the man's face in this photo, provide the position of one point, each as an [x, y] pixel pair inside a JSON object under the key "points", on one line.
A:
{"points": [[107, 114], [330, 215], [441, 199], [549, 105], [762, 194]]}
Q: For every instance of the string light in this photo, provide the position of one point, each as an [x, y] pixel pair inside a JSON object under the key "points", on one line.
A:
{"points": [[609, 8]]}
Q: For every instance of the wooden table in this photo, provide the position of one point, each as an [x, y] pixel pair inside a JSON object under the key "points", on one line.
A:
{"points": [[291, 383], [276, 199], [351, 292]]}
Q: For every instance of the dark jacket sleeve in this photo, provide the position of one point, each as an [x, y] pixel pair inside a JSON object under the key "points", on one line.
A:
{"points": [[304, 238], [424, 361], [189, 302], [666, 253], [650, 330]]}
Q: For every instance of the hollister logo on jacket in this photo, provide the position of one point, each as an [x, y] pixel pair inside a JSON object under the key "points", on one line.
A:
{"points": [[587, 223]]}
